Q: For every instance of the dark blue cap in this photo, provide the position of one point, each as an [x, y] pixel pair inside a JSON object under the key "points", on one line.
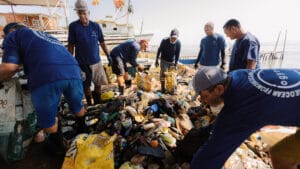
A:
{"points": [[10, 26]]}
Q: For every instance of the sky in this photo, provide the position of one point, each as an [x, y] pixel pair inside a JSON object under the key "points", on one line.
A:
{"points": [[263, 18]]}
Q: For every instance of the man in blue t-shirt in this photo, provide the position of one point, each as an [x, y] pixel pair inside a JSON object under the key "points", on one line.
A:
{"points": [[212, 48], [252, 99], [84, 35], [245, 51], [125, 53], [168, 51], [51, 70]]}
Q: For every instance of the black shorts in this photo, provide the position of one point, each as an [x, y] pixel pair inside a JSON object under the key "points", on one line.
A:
{"points": [[119, 67], [88, 75]]}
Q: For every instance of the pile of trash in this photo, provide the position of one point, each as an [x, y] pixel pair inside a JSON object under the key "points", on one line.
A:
{"points": [[144, 128], [148, 129]]}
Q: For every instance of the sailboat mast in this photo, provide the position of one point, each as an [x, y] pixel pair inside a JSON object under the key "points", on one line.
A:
{"points": [[141, 31], [129, 10], [283, 50]]}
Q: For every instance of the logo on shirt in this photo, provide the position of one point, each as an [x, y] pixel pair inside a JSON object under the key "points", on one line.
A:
{"points": [[94, 34], [276, 82], [47, 38]]}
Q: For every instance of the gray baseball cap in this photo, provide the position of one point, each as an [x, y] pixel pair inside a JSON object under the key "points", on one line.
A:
{"points": [[174, 33], [207, 77], [81, 5]]}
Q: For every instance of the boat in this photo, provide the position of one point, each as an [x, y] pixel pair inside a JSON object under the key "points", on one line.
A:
{"points": [[35, 20], [116, 32]]}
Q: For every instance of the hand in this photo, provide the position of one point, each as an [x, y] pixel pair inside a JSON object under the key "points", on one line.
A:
{"points": [[175, 66], [109, 60], [156, 63], [196, 66], [140, 67]]}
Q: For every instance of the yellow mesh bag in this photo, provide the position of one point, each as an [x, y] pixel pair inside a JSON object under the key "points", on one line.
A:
{"points": [[90, 152]]}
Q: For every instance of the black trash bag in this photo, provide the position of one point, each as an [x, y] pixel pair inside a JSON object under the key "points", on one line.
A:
{"points": [[147, 150], [187, 147]]}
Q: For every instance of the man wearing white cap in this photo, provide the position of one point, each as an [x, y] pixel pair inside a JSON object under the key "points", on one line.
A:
{"points": [[252, 99], [169, 51], [84, 36]]}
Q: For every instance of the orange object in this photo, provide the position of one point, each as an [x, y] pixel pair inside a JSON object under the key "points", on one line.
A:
{"points": [[119, 3], [95, 2], [154, 143]]}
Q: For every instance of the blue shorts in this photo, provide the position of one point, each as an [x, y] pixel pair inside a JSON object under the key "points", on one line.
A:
{"points": [[46, 99]]}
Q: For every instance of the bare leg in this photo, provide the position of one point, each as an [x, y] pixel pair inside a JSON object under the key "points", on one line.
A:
{"points": [[97, 94], [88, 95], [121, 82]]}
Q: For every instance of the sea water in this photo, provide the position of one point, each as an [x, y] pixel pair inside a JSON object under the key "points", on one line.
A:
{"points": [[291, 57]]}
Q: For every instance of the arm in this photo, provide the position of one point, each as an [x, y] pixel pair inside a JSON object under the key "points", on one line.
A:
{"points": [[11, 58], [251, 64], [177, 52], [8, 70], [104, 47], [133, 56], [250, 54], [102, 42], [159, 50], [71, 48], [222, 46], [71, 39], [227, 135], [222, 58], [199, 56]]}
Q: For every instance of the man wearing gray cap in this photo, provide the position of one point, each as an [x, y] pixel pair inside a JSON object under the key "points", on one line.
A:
{"points": [[168, 51], [252, 99], [84, 36]]}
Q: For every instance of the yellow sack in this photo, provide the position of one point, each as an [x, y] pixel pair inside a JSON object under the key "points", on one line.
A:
{"points": [[143, 81], [111, 77], [90, 152], [170, 79], [107, 95]]}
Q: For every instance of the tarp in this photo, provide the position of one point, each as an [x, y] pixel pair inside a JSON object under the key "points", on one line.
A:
{"points": [[51, 3]]}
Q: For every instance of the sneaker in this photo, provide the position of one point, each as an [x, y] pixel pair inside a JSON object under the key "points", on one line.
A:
{"points": [[55, 145]]}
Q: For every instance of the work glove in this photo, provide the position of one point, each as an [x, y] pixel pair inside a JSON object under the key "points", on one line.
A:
{"points": [[156, 63], [223, 66], [175, 66], [196, 66]]}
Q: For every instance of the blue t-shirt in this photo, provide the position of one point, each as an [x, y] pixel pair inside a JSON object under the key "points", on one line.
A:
{"points": [[128, 52], [43, 57], [168, 51], [85, 39], [246, 48], [210, 47], [253, 99]]}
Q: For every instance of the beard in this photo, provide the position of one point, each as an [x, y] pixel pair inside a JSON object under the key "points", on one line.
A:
{"points": [[217, 102]]}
